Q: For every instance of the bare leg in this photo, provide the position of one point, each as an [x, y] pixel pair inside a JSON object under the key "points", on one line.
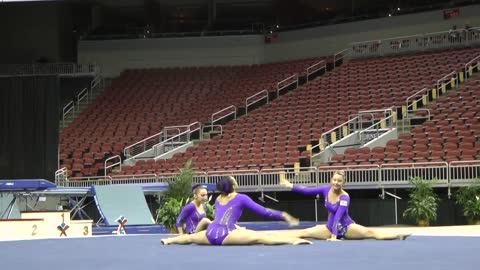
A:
{"points": [[320, 232], [203, 224], [199, 238], [358, 232], [249, 237]]}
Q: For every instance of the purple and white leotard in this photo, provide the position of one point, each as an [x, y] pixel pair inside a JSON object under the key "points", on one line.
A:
{"points": [[338, 218], [191, 217], [226, 216]]}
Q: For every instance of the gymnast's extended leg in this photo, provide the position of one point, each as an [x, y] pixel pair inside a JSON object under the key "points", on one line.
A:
{"points": [[203, 224], [319, 232], [358, 232], [199, 238], [249, 237]]}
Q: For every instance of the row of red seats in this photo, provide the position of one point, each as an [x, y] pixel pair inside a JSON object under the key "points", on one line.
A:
{"points": [[169, 97], [452, 134], [270, 118]]}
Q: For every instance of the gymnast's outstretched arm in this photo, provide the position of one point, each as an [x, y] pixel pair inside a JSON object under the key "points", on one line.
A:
{"points": [[323, 190], [186, 212], [248, 203], [311, 191]]}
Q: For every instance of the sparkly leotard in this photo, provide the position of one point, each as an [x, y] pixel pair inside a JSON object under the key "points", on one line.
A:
{"points": [[191, 217], [227, 215], [338, 218]]}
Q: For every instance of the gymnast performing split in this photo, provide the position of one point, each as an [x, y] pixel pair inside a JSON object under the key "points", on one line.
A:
{"points": [[339, 224], [194, 214], [223, 231]]}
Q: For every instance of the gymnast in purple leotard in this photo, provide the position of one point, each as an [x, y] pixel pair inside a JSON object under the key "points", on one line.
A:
{"points": [[223, 231], [339, 224], [338, 218], [193, 215], [227, 215]]}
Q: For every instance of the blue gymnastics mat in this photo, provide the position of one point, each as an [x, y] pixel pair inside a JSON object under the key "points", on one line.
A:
{"points": [[122, 200], [146, 252]]}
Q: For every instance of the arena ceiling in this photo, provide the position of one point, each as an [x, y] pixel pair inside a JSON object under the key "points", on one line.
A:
{"points": [[201, 15]]}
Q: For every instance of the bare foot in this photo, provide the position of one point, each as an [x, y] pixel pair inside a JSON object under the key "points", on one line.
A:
{"points": [[164, 241], [333, 239], [404, 236], [292, 221], [301, 242], [283, 181]]}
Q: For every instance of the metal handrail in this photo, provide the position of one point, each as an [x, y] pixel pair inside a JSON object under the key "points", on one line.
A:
{"points": [[213, 120], [287, 169], [61, 171], [70, 107], [370, 170], [462, 162], [357, 118], [460, 172], [399, 174], [46, 69], [406, 37], [134, 176], [169, 140], [114, 164], [212, 127], [346, 51], [416, 93], [469, 63], [125, 150], [291, 77], [302, 175], [337, 127], [80, 96], [395, 38], [162, 136], [95, 82], [166, 135], [362, 119], [235, 172], [315, 65], [413, 165], [84, 93], [177, 127], [408, 106], [256, 100], [328, 132], [386, 112], [292, 82], [450, 76], [419, 42], [88, 178], [194, 129], [421, 110], [61, 175], [376, 110], [375, 126]]}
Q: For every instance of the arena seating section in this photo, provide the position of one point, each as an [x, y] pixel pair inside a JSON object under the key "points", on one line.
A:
{"points": [[452, 134], [141, 102]]}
